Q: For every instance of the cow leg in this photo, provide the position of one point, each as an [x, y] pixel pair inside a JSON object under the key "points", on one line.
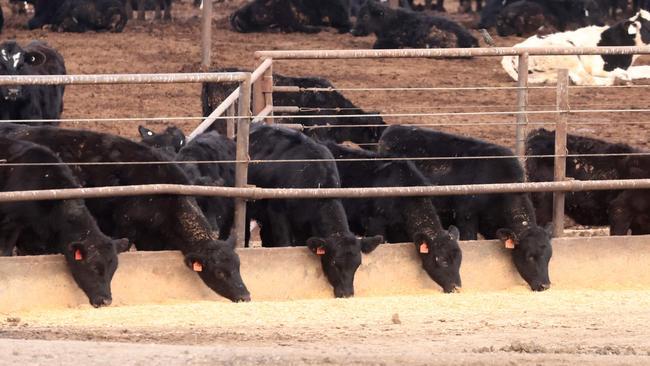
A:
{"points": [[8, 241], [280, 226], [619, 217], [467, 224], [141, 5], [158, 10], [129, 9], [479, 5], [168, 10]]}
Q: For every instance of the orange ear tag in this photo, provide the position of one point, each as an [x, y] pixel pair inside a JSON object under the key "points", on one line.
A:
{"points": [[510, 244], [197, 267], [77, 255], [320, 251], [424, 248]]}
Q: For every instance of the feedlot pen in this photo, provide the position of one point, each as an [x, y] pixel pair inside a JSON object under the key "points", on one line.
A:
{"points": [[599, 324]]}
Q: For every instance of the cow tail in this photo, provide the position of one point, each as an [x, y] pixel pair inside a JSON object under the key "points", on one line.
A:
{"points": [[113, 13]]}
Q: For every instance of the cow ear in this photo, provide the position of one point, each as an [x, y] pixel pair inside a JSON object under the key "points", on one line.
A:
{"points": [[121, 245], [453, 231], [77, 251], [34, 58], [369, 244], [231, 242], [508, 237], [317, 245], [549, 228], [421, 242], [632, 28], [145, 132], [194, 262]]}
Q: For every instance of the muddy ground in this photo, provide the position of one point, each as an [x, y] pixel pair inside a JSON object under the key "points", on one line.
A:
{"points": [[555, 327]]}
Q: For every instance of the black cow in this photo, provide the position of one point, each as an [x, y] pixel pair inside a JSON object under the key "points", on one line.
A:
{"points": [[205, 147], [321, 224], [509, 217], [44, 12], [160, 222], [313, 103], [306, 16], [48, 227], [142, 5], [169, 142], [523, 18], [566, 12], [399, 219], [355, 5], [2, 20], [90, 15], [399, 28], [622, 210], [27, 102]]}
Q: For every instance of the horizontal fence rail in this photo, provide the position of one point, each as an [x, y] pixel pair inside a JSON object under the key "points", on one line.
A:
{"points": [[216, 77], [296, 193], [451, 52]]}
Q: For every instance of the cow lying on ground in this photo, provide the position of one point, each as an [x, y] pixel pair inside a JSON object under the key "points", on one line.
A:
{"points": [[314, 103], [621, 210], [306, 16], [398, 28], [523, 18], [399, 219], [54, 227], [208, 146], [588, 69], [90, 15], [321, 224], [142, 5], [565, 12], [27, 102], [159, 222], [79, 15], [509, 217]]}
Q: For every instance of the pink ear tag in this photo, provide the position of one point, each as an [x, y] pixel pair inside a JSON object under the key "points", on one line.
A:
{"points": [[424, 248], [77, 255], [197, 267], [320, 251], [510, 244]]}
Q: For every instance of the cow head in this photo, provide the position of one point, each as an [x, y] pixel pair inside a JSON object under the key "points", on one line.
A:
{"points": [[373, 16], [340, 256], [218, 266], [531, 253], [16, 61], [172, 139], [254, 16], [639, 27], [441, 257], [93, 263]]}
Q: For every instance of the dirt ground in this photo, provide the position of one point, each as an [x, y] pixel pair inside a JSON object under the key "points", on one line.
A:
{"points": [[153, 47], [517, 327]]}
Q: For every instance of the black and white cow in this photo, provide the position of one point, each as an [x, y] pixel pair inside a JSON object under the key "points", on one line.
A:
{"points": [[509, 217], [306, 16], [321, 224], [588, 69], [27, 102], [399, 28], [399, 219], [312, 103], [565, 12], [90, 15], [621, 210], [54, 227], [159, 222]]}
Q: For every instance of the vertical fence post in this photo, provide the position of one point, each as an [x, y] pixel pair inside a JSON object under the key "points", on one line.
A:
{"points": [[241, 167], [206, 34], [267, 89], [262, 91], [393, 3], [522, 106], [230, 122], [562, 106]]}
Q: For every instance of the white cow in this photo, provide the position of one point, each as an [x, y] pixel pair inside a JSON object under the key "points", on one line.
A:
{"points": [[588, 70]]}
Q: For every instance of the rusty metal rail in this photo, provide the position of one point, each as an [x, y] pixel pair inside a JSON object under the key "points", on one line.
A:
{"points": [[96, 79], [298, 193]]}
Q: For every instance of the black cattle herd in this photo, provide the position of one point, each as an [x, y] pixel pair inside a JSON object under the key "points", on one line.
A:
{"points": [[90, 233]]}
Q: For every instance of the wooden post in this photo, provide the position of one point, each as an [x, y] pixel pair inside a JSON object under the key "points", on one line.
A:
{"points": [[231, 122], [562, 105], [241, 168], [522, 106], [393, 3], [263, 91], [206, 34]]}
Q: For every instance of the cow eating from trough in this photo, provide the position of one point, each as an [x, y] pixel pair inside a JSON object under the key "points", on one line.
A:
{"points": [[603, 70], [399, 219], [509, 217], [321, 224], [399, 28], [30, 102], [318, 103], [157, 222], [57, 226], [306, 16], [622, 210]]}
